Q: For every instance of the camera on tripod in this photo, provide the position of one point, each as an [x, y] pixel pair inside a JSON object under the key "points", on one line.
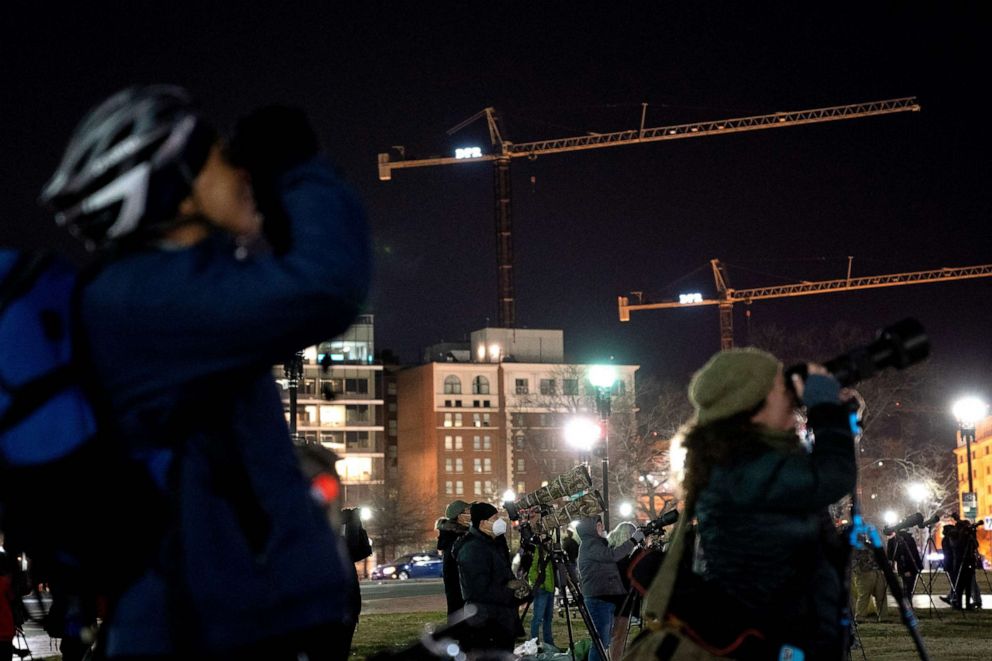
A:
{"points": [[900, 345], [656, 526], [564, 498]]}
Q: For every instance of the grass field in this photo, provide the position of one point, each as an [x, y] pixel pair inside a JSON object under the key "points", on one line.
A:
{"points": [[948, 635]]}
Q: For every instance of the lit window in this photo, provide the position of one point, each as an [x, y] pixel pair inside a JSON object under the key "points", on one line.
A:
{"points": [[447, 419], [478, 465], [458, 442], [452, 385], [521, 466], [458, 464], [458, 419], [459, 488], [478, 488], [449, 488], [449, 443], [520, 487], [476, 442], [476, 420], [487, 465], [480, 385], [487, 442], [448, 465]]}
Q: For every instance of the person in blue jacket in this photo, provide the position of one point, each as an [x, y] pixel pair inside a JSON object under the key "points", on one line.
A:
{"points": [[215, 261]]}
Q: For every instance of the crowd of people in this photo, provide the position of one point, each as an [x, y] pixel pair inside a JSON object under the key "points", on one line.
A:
{"points": [[221, 254], [478, 570]]}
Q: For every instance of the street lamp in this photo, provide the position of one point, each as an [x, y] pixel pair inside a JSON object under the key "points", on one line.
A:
{"points": [[602, 378], [582, 433], [365, 514], [626, 509], [917, 492], [968, 411], [890, 518]]}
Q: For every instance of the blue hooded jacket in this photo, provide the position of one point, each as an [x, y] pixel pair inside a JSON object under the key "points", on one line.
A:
{"points": [[183, 342]]}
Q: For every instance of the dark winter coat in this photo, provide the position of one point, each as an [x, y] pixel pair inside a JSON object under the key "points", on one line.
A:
{"points": [[766, 537], [902, 552], [598, 569], [484, 571], [183, 341], [449, 532]]}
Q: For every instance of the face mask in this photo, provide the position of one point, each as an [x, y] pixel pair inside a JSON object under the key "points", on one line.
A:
{"points": [[499, 527]]}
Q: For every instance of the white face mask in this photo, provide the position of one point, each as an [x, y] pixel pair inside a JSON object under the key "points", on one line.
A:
{"points": [[499, 527]]}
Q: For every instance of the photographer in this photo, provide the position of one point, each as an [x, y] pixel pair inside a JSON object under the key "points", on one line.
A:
{"points": [[487, 580], [215, 262], [449, 530], [966, 592], [601, 586], [764, 536], [905, 558]]}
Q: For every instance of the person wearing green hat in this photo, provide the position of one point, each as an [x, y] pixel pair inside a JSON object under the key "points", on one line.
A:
{"points": [[449, 529], [764, 536]]}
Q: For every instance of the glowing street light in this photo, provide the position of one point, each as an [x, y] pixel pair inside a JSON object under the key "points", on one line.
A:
{"points": [[582, 433], [968, 411], [917, 491], [602, 377], [890, 518], [509, 496], [626, 509], [365, 513]]}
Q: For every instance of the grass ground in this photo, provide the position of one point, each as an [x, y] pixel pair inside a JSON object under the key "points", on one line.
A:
{"points": [[948, 635]]}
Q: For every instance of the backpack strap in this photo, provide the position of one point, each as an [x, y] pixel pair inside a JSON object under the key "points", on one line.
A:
{"points": [[25, 271]]}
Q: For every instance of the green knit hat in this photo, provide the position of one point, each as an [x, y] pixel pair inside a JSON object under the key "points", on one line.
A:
{"points": [[732, 382], [455, 508]]}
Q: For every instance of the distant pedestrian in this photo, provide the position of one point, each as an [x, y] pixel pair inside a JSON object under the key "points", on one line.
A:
{"points": [[868, 587], [450, 529], [571, 549], [905, 559]]}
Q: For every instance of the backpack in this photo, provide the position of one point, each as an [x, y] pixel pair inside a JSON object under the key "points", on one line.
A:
{"points": [[71, 499]]}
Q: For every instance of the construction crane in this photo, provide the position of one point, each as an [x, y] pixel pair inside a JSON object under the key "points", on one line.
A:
{"points": [[505, 151], [726, 296]]}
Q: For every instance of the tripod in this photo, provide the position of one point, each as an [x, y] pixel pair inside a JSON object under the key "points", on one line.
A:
{"points": [[965, 583], [565, 581], [905, 556], [866, 535], [930, 547]]}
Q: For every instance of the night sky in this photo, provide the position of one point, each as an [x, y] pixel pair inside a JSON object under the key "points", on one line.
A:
{"points": [[900, 193]]}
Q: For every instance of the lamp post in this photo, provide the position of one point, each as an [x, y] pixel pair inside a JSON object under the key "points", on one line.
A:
{"points": [[365, 514], [968, 411], [293, 370], [918, 492], [602, 378]]}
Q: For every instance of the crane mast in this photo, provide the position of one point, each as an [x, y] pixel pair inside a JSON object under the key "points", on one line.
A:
{"points": [[726, 296], [505, 150]]}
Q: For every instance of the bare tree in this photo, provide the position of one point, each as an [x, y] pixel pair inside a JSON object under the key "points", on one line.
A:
{"points": [[395, 523], [641, 429]]}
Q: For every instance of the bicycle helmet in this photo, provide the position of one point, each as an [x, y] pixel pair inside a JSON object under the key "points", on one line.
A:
{"points": [[129, 164]]}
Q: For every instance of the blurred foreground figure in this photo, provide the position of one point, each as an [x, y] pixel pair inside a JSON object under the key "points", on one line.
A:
{"points": [[197, 291]]}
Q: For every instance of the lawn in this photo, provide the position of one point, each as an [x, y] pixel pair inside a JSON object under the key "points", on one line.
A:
{"points": [[948, 635]]}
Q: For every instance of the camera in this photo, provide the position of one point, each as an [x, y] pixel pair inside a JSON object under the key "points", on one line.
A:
{"points": [[900, 345], [655, 526]]}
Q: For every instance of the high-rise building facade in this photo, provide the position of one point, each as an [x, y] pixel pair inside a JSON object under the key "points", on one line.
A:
{"points": [[473, 430], [341, 404]]}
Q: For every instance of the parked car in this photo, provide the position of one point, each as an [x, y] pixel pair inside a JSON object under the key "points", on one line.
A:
{"points": [[423, 564]]}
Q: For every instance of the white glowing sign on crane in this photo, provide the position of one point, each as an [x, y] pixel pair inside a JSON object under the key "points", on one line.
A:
{"points": [[469, 152], [686, 299]]}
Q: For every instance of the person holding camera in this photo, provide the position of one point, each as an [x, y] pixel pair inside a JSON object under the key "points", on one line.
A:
{"points": [[216, 260], [905, 559], [601, 585], [764, 537], [450, 529], [488, 582]]}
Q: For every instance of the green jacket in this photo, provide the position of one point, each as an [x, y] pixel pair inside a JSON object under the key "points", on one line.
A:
{"points": [[535, 569]]}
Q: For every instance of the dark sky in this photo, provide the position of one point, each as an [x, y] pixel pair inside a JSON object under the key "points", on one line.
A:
{"points": [[899, 193]]}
